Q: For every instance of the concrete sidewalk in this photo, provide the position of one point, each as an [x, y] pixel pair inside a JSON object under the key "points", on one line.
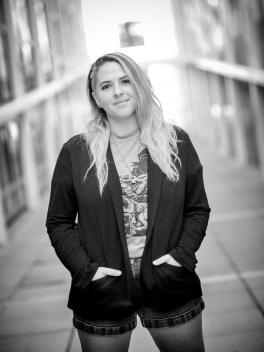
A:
{"points": [[34, 285]]}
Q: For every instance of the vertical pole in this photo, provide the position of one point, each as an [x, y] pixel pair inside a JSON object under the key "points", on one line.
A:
{"points": [[28, 159], [37, 57], [3, 230], [49, 137], [238, 129]]}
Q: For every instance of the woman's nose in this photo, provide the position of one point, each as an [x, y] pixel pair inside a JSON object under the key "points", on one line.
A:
{"points": [[117, 89]]}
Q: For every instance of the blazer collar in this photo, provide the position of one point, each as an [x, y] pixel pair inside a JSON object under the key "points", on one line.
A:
{"points": [[114, 187], [155, 176]]}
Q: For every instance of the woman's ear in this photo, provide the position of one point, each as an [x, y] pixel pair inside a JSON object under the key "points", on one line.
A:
{"points": [[93, 94]]}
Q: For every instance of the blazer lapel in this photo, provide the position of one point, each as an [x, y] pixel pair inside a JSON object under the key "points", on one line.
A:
{"points": [[155, 177], [114, 187]]}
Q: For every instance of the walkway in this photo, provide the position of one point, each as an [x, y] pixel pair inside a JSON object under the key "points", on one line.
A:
{"points": [[34, 286]]}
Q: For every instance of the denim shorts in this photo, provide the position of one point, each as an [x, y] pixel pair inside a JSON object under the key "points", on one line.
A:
{"points": [[149, 318]]}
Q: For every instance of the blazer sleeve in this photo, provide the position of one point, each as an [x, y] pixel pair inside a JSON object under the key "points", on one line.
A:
{"points": [[196, 211], [61, 225]]}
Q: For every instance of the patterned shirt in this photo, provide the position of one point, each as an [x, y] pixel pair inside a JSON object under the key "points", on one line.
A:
{"points": [[133, 177]]}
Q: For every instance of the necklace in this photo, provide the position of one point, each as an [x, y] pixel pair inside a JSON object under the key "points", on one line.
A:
{"points": [[132, 178]]}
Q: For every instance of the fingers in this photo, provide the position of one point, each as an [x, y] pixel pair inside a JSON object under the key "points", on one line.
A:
{"points": [[103, 271], [110, 271], [167, 258], [161, 260], [172, 261]]}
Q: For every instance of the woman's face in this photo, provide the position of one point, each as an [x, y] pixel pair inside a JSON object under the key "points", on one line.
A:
{"points": [[114, 93]]}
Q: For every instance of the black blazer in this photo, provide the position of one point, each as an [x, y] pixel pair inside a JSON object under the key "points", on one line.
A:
{"points": [[177, 219]]}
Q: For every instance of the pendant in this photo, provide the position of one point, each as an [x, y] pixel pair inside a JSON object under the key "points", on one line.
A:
{"points": [[133, 179]]}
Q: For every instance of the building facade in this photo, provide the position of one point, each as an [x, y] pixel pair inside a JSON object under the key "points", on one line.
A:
{"points": [[222, 58], [43, 63]]}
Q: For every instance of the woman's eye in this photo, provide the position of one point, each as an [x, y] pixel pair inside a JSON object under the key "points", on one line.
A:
{"points": [[126, 81], [106, 86]]}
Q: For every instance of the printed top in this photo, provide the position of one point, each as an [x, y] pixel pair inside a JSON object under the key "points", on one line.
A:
{"points": [[132, 167]]}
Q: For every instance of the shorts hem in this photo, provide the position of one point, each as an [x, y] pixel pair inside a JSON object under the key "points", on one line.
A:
{"points": [[104, 330], [174, 320]]}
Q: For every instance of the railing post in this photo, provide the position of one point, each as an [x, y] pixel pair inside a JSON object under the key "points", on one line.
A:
{"points": [[3, 231], [30, 171]]}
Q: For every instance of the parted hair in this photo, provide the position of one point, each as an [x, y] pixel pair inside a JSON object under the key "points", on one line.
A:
{"points": [[156, 134]]}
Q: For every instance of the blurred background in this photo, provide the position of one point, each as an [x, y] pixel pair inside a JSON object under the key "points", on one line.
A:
{"points": [[205, 59]]}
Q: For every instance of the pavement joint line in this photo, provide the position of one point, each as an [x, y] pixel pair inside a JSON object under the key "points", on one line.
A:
{"points": [[35, 333], [233, 186], [243, 281], [238, 215], [44, 283], [252, 274], [46, 262], [213, 335], [43, 299], [231, 276]]}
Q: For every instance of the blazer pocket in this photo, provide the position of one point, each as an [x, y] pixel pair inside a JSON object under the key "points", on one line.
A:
{"points": [[100, 293], [177, 281], [102, 283], [104, 298]]}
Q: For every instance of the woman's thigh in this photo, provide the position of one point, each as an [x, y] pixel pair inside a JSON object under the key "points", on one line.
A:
{"points": [[187, 337], [104, 343]]}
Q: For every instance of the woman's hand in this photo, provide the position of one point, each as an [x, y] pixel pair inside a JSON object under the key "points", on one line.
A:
{"points": [[167, 258], [104, 271]]}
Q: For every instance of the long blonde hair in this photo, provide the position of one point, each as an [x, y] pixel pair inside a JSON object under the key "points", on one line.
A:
{"points": [[159, 137]]}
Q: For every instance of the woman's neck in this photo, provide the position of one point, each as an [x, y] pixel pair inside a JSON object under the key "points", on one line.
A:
{"points": [[125, 129]]}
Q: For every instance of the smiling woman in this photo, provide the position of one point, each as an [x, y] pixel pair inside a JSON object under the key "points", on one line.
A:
{"points": [[114, 94], [136, 184]]}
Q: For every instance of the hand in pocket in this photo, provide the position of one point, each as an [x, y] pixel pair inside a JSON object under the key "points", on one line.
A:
{"points": [[167, 258], [103, 271]]}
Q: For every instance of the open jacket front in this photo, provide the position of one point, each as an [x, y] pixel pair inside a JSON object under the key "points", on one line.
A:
{"points": [[177, 219]]}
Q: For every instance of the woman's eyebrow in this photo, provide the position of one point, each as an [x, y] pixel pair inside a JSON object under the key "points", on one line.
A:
{"points": [[103, 82], [109, 81]]}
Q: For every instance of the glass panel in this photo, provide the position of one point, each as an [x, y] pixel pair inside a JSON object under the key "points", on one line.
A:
{"points": [[25, 43], [227, 115], [5, 90], [57, 133], [54, 22], [79, 104], [258, 18], [11, 172], [235, 31], [202, 27], [64, 105], [37, 124], [56, 41], [43, 37], [2, 13], [247, 120]]}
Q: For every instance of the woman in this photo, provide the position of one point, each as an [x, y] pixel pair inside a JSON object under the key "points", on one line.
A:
{"points": [[136, 184]]}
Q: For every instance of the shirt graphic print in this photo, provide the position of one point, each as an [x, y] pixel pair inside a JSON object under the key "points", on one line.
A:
{"points": [[135, 205]]}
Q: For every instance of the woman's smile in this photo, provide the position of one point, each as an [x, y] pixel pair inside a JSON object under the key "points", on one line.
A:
{"points": [[114, 92], [122, 102]]}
